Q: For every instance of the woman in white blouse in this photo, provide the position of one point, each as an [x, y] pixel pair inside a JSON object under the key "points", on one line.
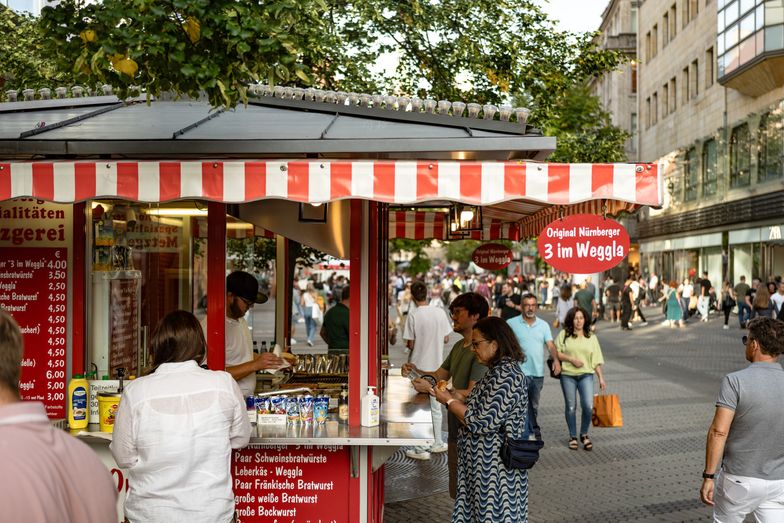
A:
{"points": [[175, 429]]}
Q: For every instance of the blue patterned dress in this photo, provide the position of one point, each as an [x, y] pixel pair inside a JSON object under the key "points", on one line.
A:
{"points": [[486, 490]]}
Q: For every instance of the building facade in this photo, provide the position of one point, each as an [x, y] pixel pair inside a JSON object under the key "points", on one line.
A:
{"points": [[711, 103], [618, 90]]}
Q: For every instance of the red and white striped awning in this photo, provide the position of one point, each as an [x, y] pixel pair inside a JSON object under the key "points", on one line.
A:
{"points": [[313, 181], [427, 225], [240, 231], [532, 225]]}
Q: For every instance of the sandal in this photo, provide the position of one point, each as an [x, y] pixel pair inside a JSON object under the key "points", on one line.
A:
{"points": [[573, 444], [587, 445]]}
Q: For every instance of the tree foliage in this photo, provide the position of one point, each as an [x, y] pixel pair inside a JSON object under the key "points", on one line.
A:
{"points": [[185, 46], [259, 253]]}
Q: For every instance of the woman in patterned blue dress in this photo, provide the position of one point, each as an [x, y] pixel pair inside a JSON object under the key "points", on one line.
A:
{"points": [[486, 489]]}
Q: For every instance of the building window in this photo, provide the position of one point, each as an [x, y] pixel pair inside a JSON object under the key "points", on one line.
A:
{"points": [[694, 77], [665, 30], [771, 147], [740, 156], [634, 20], [709, 67], [709, 168], [673, 95], [633, 131], [665, 100], [686, 90], [634, 76], [655, 109], [673, 22], [654, 40], [691, 178], [648, 112]]}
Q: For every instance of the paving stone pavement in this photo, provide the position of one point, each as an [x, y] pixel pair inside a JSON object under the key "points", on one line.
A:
{"points": [[648, 470]]}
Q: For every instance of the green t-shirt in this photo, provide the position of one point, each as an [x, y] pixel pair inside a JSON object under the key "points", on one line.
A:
{"points": [[584, 297], [584, 349], [462, 366], [336, 327]]}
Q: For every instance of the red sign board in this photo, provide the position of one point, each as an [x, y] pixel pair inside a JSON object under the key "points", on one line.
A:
{"points": [[297, 483], [34, 290], [492, 256], [583, 244]]}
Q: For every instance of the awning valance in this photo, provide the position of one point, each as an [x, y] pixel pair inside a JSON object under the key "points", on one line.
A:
{"points": [[429, 225], [389, 181]]}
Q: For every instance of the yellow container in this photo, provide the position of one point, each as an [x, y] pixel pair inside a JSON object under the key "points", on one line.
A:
{"points": [[108, 403]]}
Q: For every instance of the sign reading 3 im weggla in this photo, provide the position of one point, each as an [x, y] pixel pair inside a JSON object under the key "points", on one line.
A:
{"points": [[583, 244]]}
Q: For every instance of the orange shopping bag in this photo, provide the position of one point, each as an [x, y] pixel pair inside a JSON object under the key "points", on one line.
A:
{"points": [[607, 411]]}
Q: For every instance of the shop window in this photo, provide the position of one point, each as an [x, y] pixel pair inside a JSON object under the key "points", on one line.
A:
{"points": [[771, 147], [691, 179], [740, 156], [709, 168]]}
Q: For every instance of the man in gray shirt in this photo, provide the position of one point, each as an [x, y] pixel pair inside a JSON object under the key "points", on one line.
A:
{"points": [[745, 436]]}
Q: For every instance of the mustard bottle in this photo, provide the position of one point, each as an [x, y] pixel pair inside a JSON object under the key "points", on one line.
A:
{"points": [[77, 402]]}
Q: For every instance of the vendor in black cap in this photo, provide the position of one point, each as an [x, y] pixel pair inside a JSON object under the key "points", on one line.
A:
{"points": [[242, 293]]}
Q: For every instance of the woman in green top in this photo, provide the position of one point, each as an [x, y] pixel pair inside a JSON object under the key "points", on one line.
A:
{"points": [[580, 357]]}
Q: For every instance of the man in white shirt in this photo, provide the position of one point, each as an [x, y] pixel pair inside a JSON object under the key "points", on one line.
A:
{"points": [[242, 292], [778, 299], [426, 331]]}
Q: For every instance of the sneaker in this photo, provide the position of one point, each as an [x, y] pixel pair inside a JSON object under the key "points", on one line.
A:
{"points": [[310, 343], [437, 449], [644, 324], [415, 454], [726, 327]]}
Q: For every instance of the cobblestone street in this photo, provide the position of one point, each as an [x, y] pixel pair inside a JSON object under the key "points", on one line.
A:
{"points": [[649, 470]]}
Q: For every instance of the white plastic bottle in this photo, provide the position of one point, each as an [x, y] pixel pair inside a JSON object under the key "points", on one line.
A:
{"points": [[371, 408]]}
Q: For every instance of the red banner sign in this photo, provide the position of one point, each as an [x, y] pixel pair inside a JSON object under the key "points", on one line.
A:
{"points": [[291, 483], [583, 244], [492, 256]]}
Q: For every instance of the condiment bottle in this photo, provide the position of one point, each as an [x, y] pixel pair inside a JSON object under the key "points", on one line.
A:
{"points": [[343, 404]]}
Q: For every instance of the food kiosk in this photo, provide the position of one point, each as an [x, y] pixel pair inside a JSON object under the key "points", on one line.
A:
{"points": [[115, 213]]}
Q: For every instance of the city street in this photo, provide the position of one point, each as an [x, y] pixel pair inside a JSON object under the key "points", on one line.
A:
{"points": [[649, 470]]}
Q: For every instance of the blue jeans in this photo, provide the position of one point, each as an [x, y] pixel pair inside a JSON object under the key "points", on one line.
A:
{"points": [[534, 386], [310, 323], [569, 386], [744, 311]]}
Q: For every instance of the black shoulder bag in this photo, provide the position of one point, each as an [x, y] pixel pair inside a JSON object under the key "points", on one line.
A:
{"points": [[519, 453]]}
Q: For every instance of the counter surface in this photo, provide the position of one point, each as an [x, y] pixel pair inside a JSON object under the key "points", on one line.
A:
{"points": [[405, 420]]}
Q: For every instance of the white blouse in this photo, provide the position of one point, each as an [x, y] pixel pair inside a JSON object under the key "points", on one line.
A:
{"points": [[173, 434]]}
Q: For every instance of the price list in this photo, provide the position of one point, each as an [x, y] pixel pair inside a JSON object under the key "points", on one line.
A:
{"points": [[34, 290], [301, 483]]}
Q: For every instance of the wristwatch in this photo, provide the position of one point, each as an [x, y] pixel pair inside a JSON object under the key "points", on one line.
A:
{"points": [[705, 475]]}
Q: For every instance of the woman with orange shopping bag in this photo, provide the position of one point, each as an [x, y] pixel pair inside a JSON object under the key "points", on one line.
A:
{"points": [[581, 358]]}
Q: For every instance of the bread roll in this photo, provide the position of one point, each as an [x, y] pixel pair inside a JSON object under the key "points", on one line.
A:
{"points": [[442, 384]]}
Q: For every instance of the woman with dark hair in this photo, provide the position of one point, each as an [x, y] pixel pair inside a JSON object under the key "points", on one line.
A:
{"points": [[175, 429], [581, 357], [495, 408], [762, 304]]}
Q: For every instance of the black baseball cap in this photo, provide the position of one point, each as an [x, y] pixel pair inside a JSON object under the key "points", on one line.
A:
{"points": [[244, 285]]}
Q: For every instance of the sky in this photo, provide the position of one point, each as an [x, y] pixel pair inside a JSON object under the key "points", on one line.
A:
{"points": [[575, 15]]}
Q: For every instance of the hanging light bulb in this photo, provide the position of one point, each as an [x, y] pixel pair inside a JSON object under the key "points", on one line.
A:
{"points": [[453, 226], [466, 216]]}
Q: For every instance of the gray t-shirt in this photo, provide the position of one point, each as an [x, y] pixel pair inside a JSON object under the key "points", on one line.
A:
{"points": [[754, 445]]}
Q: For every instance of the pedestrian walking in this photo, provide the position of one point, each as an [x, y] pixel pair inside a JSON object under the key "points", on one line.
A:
{"points": [[727, 302], [674, 312], [534, 336], [626, 305], [426, 331], [762, 304], [309, 304], [744, 458], [742, 291], [687, 293], [495, 409], [581, 356], [565, 302], [703, 301]]}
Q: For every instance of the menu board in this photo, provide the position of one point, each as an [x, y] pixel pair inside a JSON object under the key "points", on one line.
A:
{"points": [[34, 289], [124, 323], [35, 250], [298, 483]]}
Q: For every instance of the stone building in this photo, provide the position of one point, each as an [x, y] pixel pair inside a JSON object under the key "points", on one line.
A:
{"points": [[711, 103]]}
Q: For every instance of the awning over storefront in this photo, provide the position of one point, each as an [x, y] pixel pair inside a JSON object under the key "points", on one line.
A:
{"points": [[427, 225], [397, 182]]}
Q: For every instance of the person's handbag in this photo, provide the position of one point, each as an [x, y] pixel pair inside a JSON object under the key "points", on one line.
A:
{"points": [[607, 411], [550, 365], [520, 453], [693, 302], [728, 302]]}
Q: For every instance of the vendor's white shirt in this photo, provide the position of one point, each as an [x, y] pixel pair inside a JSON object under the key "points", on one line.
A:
{"points": [[173, 434], [427, 326], [239, 349]]}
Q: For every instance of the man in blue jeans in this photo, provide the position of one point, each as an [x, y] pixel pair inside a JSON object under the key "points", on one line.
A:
{"points": [[742, 291], [534, 336]]}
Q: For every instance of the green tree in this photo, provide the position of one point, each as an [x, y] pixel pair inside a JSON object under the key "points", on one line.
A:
{"points": [[21, 63], [420, 262], [185, 46]]}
